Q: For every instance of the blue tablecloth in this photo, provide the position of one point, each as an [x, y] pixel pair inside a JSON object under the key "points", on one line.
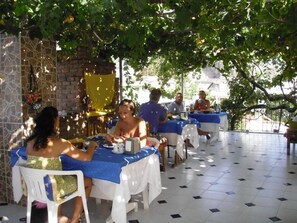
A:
{"points": [[172, 126], [207, 117], [112, 123], [176, 125], [105, 165]]}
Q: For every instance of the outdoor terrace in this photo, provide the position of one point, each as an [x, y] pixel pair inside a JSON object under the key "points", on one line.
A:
{"points": [[244, 177]]}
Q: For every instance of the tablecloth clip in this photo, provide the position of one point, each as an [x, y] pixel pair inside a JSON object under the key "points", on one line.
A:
{"points": [[17, 152], [126, 161]]}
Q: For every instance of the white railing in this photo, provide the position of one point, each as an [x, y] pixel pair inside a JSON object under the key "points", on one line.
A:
{"points": [[261, 123]]}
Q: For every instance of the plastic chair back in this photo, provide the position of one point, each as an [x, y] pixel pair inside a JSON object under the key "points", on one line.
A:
{"points": [[36, 190], [153, 142]]}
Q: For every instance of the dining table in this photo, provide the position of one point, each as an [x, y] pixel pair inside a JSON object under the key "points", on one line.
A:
{"points": [[211, 122], [176, 131], [116, 177]]}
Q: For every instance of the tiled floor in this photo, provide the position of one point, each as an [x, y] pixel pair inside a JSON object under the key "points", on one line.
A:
{"points": [[243, 178]]}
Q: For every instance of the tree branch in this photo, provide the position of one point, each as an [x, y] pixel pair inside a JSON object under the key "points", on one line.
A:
{"points": [[101, 40], [270, 97]]}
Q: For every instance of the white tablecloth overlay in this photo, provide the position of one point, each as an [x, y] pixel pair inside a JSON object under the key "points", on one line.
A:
{"points": [[135, 178], [189, 132], [214, 128], [224, 122]]}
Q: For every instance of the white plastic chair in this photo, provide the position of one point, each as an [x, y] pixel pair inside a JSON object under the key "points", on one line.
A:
{"points": [[153, 142], [161, 147], [36, 190]]}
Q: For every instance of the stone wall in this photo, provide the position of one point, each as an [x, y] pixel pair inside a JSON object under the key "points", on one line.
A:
{"points": [[71, 86], [10, 107], [42, 56], [63, 91], [17, 56], [71, 90]]}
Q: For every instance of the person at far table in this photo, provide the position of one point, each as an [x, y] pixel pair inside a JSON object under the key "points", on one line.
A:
{"points": [[201, 104], [152, 112], [128, 126], [43, 149], [176, 107]]}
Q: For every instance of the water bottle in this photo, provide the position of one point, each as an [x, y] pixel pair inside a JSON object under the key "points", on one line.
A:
{"points": [[215, 107], [218, 108]]}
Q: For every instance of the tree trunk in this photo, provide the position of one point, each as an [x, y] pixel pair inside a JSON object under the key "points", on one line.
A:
{"points": [[233, 122]]}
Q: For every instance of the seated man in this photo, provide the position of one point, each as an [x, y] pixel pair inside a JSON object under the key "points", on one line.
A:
{"points": [[176, 107], [152, 112]]}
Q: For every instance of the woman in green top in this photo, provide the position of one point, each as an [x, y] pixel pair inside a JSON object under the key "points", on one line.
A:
{"points": [[44, 148]]}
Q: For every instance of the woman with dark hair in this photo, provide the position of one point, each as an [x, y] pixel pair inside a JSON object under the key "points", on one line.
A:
{"points": [[128, 125], [44, 148]]}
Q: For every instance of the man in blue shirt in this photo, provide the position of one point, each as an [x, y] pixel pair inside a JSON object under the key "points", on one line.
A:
{"points": [[152, 112]]}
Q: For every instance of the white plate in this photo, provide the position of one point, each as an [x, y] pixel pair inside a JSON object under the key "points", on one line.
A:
{"points": [[108, 146], [116, 152]]}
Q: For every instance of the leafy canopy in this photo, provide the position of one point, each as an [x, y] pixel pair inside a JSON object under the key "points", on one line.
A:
{"points": [[186, 34]]}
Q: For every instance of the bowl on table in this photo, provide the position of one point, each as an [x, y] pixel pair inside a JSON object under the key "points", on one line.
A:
{"points": [[100, 139]]}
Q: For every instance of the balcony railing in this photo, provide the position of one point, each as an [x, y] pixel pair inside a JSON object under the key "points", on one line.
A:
{"points": [[268, 122]]}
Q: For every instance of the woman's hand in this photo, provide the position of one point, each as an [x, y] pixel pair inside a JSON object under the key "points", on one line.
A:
{"points": [[109, 138], [119, 139], [92, 145]]}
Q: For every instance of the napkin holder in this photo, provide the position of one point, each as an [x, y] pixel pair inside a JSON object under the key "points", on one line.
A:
{"points": [[132, 145], [184, 115]]}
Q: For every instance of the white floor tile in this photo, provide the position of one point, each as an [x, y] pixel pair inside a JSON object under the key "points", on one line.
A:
{"points": [[247, 177]]}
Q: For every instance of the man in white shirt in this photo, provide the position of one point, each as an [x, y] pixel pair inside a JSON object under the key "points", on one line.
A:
{"points": [[176, 107]]}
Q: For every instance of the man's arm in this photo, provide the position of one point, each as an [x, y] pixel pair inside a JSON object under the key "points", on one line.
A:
{"points": [[171, 108], [163, 117]]}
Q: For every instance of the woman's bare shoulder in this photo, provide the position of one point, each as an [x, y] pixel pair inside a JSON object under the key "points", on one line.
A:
{"points": [[138, 119], [55, 147], [60, 143], [29, 147]]}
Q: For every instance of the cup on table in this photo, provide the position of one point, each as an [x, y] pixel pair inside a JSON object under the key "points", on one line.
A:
{"points": [[118, 147]]}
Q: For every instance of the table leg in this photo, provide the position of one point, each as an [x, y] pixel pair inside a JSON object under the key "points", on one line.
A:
{"points": [[215, 135], [145, 198], [129, 207], [168, 151], [109, 219], [132, 206], [177, 159]]}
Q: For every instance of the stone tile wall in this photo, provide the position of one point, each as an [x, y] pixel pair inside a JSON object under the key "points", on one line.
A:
{"points": [[17, 54], [70, 84], [64, 91], [10, 107], [71, 90]]}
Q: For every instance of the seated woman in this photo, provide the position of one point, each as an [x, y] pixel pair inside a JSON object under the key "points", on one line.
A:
{"points": [[43, 149], [202, 104], [128, 125]]}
